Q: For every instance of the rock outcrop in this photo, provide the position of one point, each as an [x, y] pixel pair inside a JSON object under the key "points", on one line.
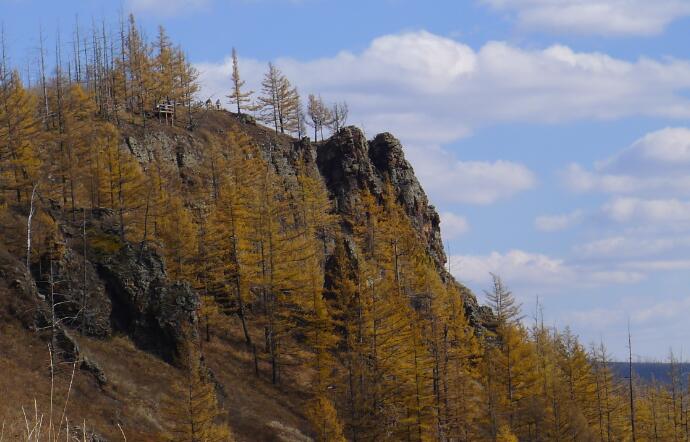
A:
{"points": [[349, 164], [159, 315], [102, 286]]}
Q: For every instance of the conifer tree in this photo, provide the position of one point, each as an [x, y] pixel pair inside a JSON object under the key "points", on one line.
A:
{"points": [[510, 373], [192, 406], [324, 417], [124, 187], [231, 249], [177, 232], [281, 251], [319, 115], [187, 83], [78, 133], [165, 85], [397, 391], [139, 70], [237, 95], [458, 375], [339, 113], [279, 100], [506, 435], [19, 157], [318, 226]]}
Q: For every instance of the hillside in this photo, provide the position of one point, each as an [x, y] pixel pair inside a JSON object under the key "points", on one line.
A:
{"points": [[137, 317], [170, 270]]}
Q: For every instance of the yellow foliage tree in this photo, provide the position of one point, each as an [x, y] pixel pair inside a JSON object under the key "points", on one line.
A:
{"points": [[192, 406], [123, 185], [178, 234], [505, 435], [19, 158], [324, 417]]}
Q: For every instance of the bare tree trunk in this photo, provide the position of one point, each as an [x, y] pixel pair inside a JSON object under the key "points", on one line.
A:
{"points": [[44, 86], [28, 228], [83, 292]]}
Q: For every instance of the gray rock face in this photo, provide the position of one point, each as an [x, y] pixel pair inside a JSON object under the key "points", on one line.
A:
{"points": [[109, 287], [79, 293], [349, 164], [344, 163], [386, 153], [159, 316]]}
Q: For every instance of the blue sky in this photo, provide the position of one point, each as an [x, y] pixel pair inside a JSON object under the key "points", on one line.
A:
{"points": [[552, 135]]}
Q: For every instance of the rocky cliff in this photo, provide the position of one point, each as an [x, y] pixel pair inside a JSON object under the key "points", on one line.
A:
{"points": [[347, 162], [111, 295]]}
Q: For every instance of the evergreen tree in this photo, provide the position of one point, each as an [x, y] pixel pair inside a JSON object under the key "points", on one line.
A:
{"points": [[510, 361], [324, 417]]}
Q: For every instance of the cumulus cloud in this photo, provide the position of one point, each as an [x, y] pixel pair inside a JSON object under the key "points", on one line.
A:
{"points": [[449, 180], [595, 319], [536, 272], [628, 246], [670, 211], [604, 17], [433, 90], [639, 310], [665, 148], [430, 91], [658, 163], [665, 310], [648, 184], [453, 226], [555, 223]]}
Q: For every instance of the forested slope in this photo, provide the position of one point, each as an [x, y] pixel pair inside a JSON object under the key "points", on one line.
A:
{"points": [[174, 271]]}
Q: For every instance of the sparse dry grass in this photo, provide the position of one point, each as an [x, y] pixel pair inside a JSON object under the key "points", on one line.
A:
{"points": [[39, 425]]}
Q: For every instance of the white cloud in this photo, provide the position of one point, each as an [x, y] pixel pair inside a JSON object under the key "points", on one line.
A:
{"points": [[627, 246], [595, 319], [669, 147], [432, 90], [637, 309], [449, 180], [667, 211], [604, 17], [665, 310], [537, 272], [515, 267], [453, 226], [658, 163], [649, 208], [555, 223]]}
